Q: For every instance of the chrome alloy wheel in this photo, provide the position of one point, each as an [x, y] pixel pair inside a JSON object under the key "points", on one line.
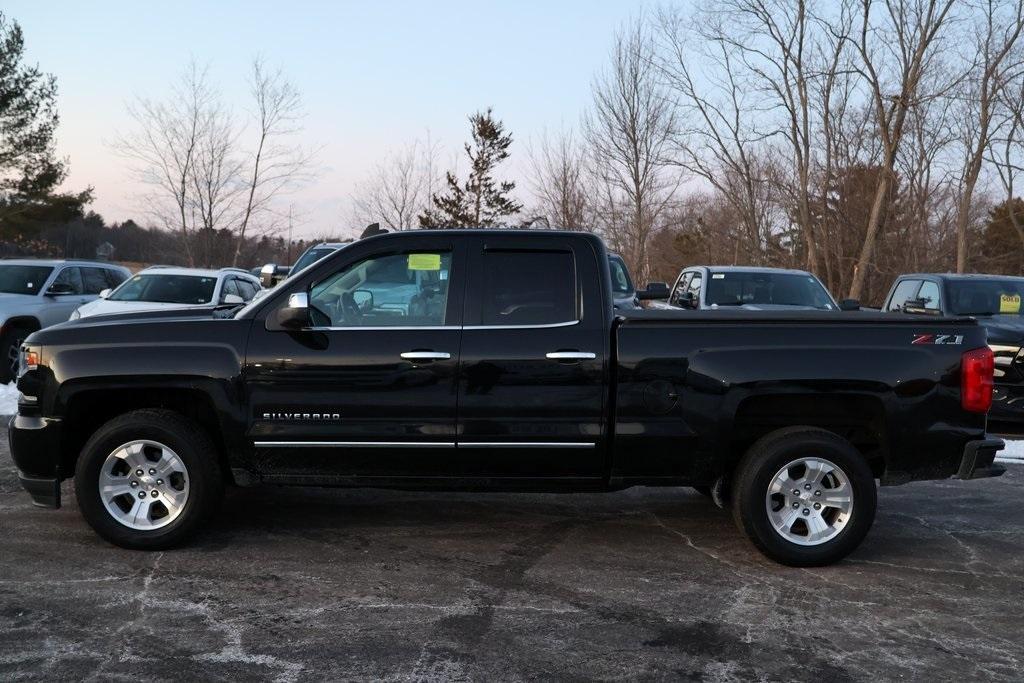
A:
{"points": [[143, 485], [809, 501]]}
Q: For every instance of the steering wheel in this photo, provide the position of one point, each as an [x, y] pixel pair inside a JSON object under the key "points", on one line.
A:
{"points": [[349, 308]]}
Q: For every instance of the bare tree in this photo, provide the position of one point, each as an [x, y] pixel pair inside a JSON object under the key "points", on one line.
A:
{"points": [[628, 130], [189, 150], [399, 188], [164, 146], [277, 164], [773, 39], [996, 61], [214, 178], [893, 59], [1005, 153], [559, 181], [721, 128]]}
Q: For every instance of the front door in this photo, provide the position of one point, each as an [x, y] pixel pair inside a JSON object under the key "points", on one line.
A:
{"points": [[369, 389], [534, 361]]}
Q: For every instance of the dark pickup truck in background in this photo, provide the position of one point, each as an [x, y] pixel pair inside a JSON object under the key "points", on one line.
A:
{"points": [[996, 302], [489, 360]]}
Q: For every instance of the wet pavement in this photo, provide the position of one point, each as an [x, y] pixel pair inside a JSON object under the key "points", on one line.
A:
{"points": [[300, 584]]}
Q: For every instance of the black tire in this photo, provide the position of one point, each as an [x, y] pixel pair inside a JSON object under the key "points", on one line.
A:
{"points": [[10, 347], [769, 456], [702, 490], [192, 445]]}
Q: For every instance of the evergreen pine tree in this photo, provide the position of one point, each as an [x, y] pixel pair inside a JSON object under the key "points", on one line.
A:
{"points": [[481, 201], [29, 168]]}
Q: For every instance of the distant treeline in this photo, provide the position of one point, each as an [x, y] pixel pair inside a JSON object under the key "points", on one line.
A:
{"points": [[91, 237]]}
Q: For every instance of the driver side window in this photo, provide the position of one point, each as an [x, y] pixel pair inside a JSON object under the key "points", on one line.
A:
{"points": [[396, 290], [680, 290]]}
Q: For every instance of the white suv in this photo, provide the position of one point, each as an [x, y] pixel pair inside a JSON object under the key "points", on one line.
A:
{"points": [[37, 293], [160, 287]]}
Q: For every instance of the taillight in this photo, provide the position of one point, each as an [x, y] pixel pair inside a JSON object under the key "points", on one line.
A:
{"points": [[976, 369]]}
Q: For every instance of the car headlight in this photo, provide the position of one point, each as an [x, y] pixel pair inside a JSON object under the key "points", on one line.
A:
{"points": [[75, 314]]}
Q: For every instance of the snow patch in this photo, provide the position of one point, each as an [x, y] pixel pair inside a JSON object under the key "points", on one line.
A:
{"points": [[8, 399], [1014, 452]]}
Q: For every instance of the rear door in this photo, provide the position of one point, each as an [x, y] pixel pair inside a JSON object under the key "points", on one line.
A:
{"points": [[534, 359]]}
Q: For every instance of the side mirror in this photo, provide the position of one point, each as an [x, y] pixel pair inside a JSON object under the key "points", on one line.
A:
{"points": [[60, 289], [294, 316], [232, 299], [655, 290], [105, 293], [849, 305], [267, 274], [363, 299]]}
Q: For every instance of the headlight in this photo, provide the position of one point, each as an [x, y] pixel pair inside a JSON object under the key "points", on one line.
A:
{"points": [[75, 314], [28, 359]]}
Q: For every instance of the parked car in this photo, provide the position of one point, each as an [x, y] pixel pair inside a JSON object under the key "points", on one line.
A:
{"points": [[995, 300], [753, 289], [37, 293], [159, 287], [473, 359], [272, 274]]}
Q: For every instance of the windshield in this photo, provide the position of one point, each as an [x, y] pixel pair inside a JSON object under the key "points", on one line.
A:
{"points": [[23, 279], [621, 283], [986, 297], [310, 257], [166, 288], [778, 289]]}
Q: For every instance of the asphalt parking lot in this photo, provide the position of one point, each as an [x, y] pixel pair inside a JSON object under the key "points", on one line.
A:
{"points": [[327, 584]]}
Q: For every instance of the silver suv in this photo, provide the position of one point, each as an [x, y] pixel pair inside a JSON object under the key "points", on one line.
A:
{"points": [[37, 293]]}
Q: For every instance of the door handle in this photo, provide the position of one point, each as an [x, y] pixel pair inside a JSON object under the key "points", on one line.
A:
{"points": [[571, 355], [426, 355]]}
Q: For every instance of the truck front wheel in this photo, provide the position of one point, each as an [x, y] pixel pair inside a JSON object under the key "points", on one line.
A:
{"points": [[147, 479], [804, 496]]}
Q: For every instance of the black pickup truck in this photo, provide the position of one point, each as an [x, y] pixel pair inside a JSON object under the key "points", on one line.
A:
{"points": [[494, 360]]}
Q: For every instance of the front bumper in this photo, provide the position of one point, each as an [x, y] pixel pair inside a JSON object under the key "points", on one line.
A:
{"points": [[978, 460], [35, 449]]}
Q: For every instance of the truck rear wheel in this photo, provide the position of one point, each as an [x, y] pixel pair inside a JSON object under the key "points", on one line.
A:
{"points": [[147, 479], [804, 496]]}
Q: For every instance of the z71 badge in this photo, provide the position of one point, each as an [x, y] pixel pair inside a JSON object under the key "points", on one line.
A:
{"points": [[938, 339]]}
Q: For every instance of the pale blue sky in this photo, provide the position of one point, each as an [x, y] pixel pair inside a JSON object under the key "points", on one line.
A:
{"points": [[373, 75]]}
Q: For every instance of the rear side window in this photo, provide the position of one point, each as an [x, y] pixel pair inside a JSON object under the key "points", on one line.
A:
{"points": [[229, 288], [904, 292], [113, 277], [246, 289], [71, 277], [94, 279], [930, 295], [529, 288]]}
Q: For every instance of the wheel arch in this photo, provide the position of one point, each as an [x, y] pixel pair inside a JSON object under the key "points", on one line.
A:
{"points": [[27, 322], [88, 409], [858, 418]]}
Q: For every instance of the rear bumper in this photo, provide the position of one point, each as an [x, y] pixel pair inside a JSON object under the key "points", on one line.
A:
{"points": [[35, 449], [978, 460]]}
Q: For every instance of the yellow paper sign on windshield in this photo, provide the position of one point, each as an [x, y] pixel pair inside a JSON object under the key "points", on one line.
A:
{"points": [[424, 262], [1009, 303]]}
